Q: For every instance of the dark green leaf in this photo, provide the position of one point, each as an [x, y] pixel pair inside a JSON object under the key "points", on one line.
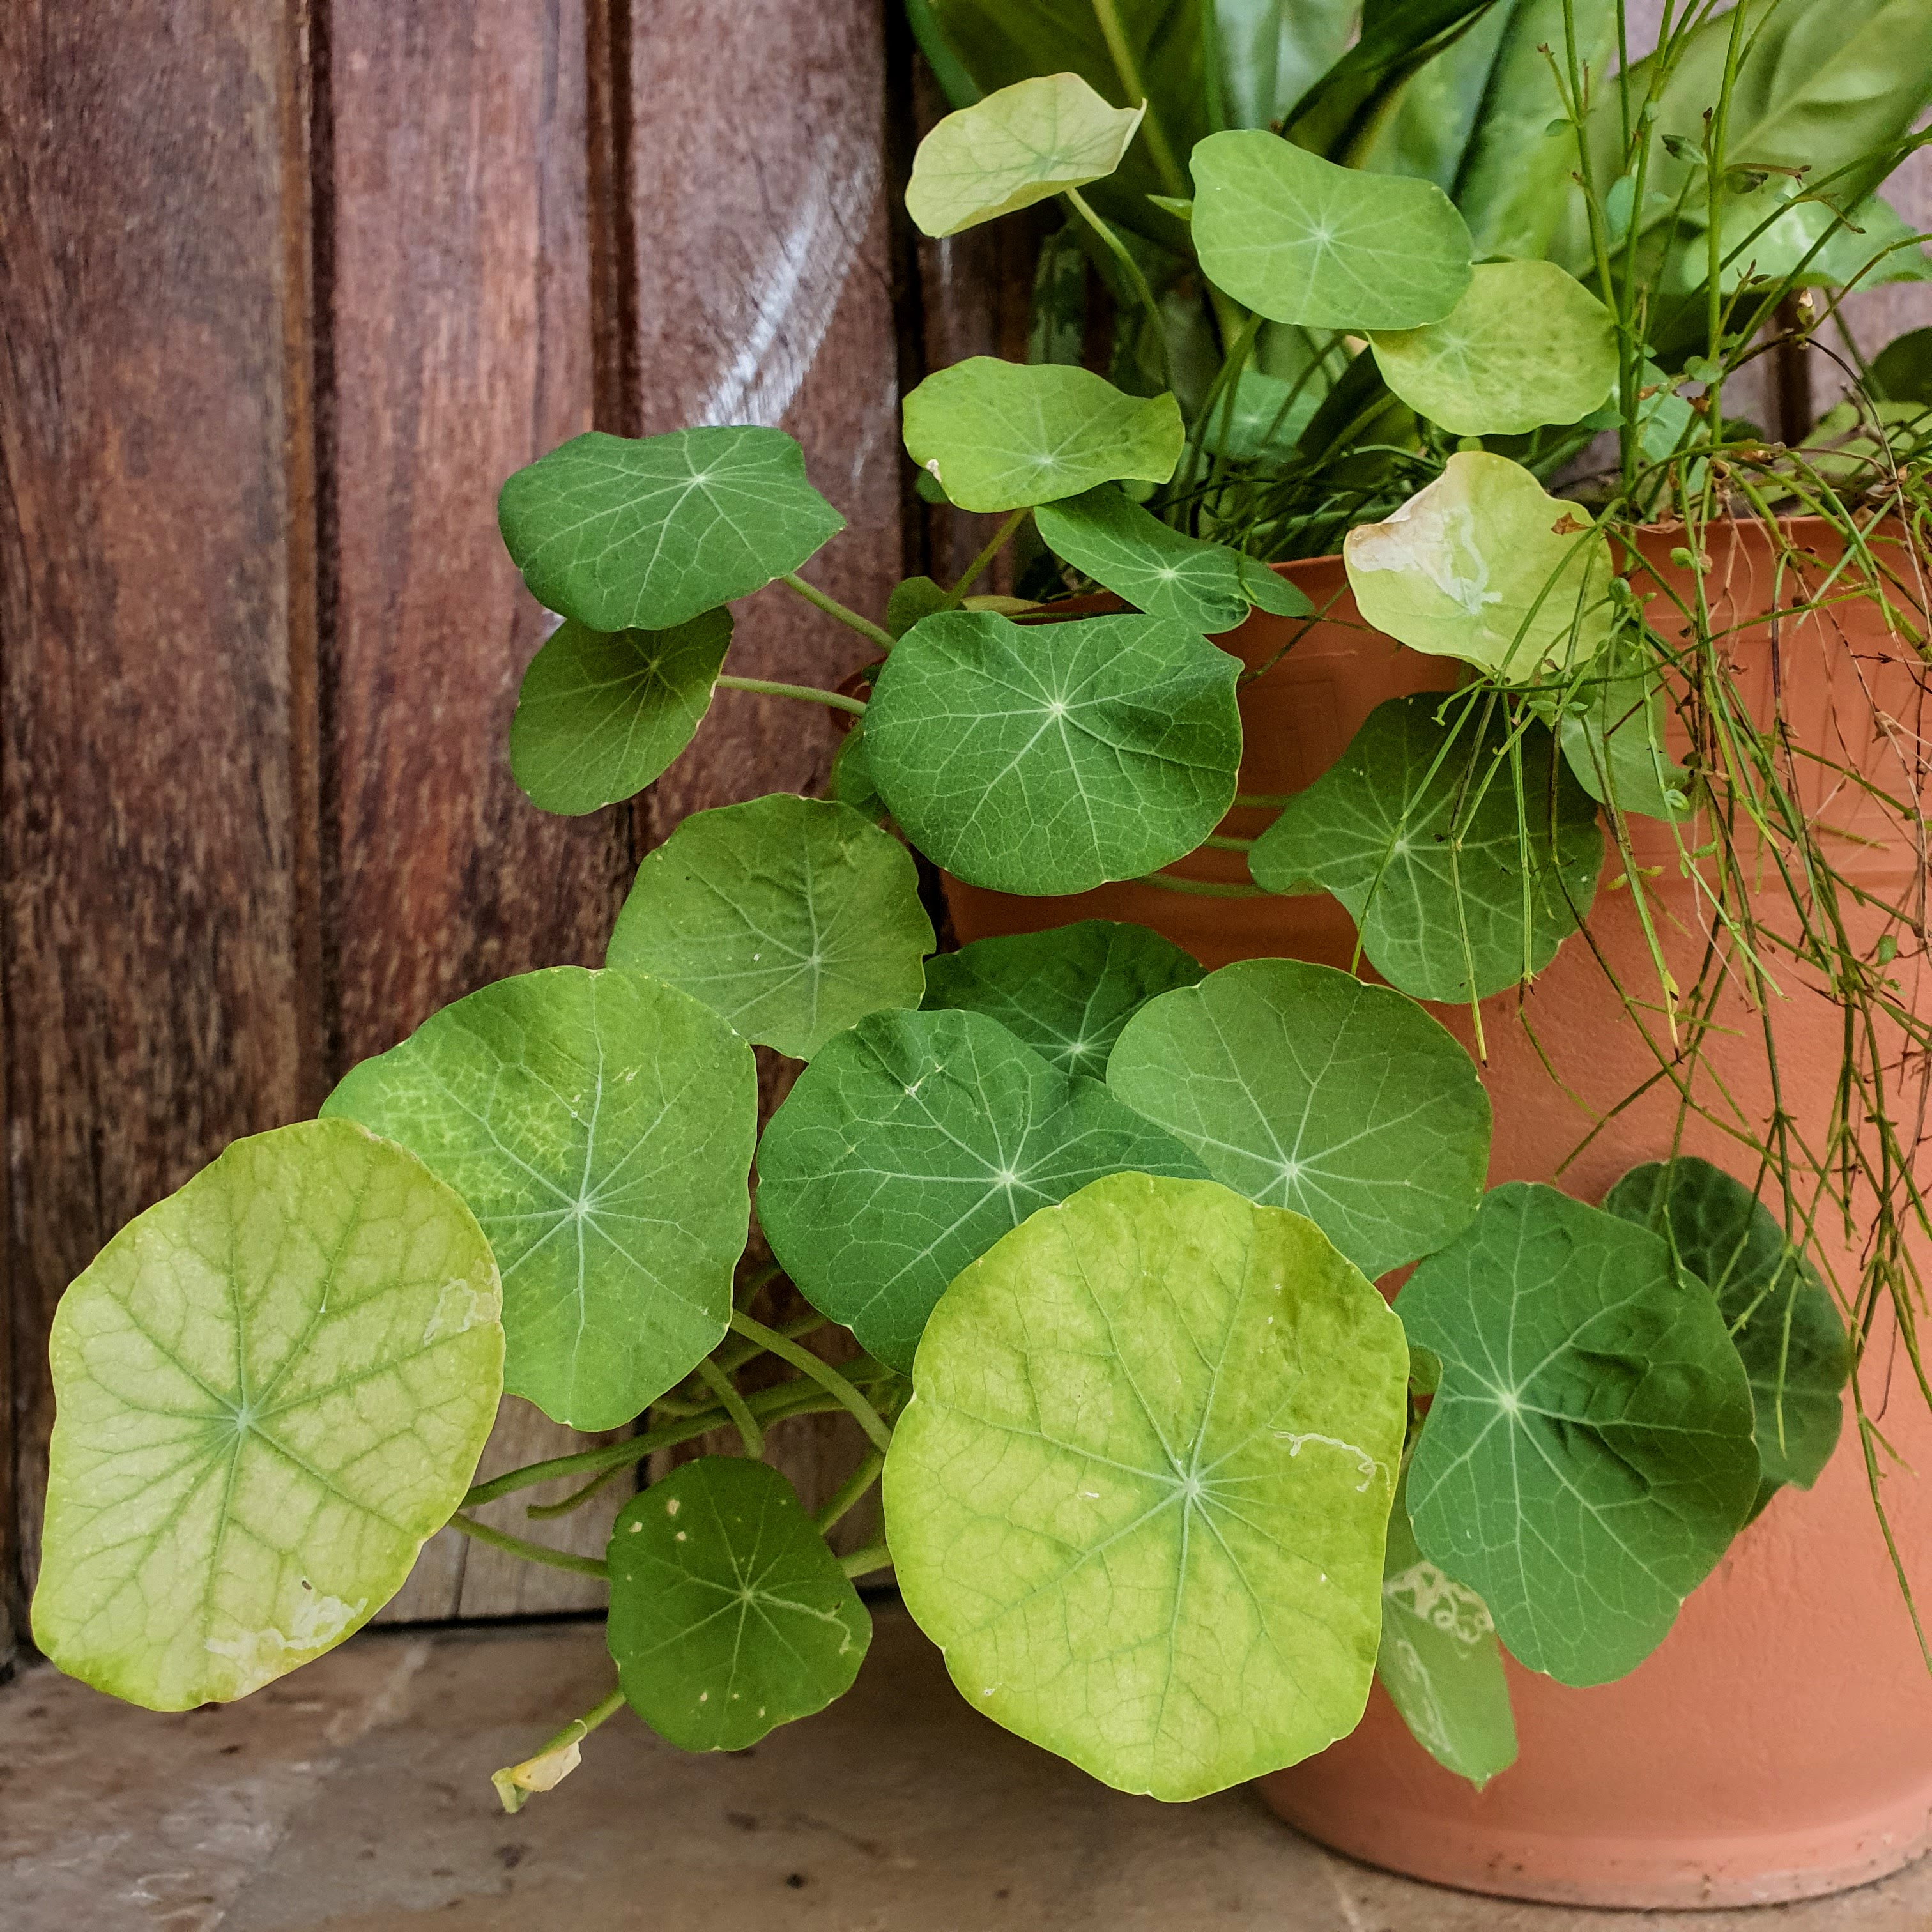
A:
{"points": [[852, 777], [1902, 371]]}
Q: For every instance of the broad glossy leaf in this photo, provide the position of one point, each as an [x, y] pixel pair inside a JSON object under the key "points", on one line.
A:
{"points": [[1139, 1494], [1426, 132], [1439, 1660], [1164, 572], [1610, 721], [852, 777], [1023, 144], [1418, 830], [729, 1616], [1779, 1312], [1303, 1088], [1269, 414], [1901, 372], [1066, 993], [792, 917], [1271, 54], [1587, 1457], [1481, 564], [271, 1387], [1052, 758], [600, 1125], [1300, 240], [912, 598], [911, 1144], [601, 715], [1527, 345], [645, 534], [996, 435]]}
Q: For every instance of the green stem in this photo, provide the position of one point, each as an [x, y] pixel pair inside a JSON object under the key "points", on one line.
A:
{"points": [[848, 1493], [863, 1562], [821, 1372], [725, 1390], [1263, 801], [810, 693], [531, 1552], [1211, 888], [1218, 842], [845, 614], [998, 543], [514, 1791], [1108, 15], [1136, 281]]}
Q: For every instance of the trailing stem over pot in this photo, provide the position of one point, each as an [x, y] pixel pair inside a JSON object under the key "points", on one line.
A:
{"points": [[1166, 1477]]}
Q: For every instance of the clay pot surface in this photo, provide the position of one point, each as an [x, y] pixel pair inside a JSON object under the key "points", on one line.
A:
{"points": [[1778, 1745]]}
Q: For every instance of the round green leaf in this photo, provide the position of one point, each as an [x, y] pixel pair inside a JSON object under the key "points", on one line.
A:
{"points": [[910, 1145], [729, 1616], [1066, 993], [1139, 1496], [600, 1125], [1301, 240], [271, 1387], [1163, 571], [626, 534], [1587, 1457], [996, 435], [851, 783], [792, 917], [1023, 144], [1303, 1088], [1527, 345], [1418, 830], [1053, 758], [601, 715], [1780, 1314], [1482, 566]]}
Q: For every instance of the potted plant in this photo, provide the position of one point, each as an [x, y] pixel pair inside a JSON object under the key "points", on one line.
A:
{"points": [[1165, 1475]]}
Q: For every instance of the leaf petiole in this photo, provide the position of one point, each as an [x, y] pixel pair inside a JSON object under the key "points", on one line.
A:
{"points": [[531, 1552], [722, 1385], [844, 613], [821, 1372], [810, 693], [548, 1767], [998, 542], [863, 1562], [850, 1493]]}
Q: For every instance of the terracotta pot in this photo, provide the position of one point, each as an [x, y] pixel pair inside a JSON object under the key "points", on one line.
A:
{"points": [[1779, 1744]]}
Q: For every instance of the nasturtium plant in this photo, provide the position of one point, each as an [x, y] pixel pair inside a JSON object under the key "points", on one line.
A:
{"points": [[1612, 718], [624, 533], [1589, 1455], [273, 1387], [911, 1144], [1139, 1495], [600, 1126], [791, 917], [1303, 1088], [1466, 852]]}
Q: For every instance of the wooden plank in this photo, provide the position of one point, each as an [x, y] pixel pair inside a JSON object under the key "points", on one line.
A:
{"points": [[156, 600]]}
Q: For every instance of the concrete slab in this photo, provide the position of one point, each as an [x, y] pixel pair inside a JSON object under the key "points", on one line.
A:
{"points": [[356, 1797]]}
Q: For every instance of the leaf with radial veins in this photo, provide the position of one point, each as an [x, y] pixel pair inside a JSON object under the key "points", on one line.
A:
{"points": [[1482, 566], [1527, 344], [911, 1144], [1780, 1314], [792, 917], [1298, 239], [271, 1388], [1587, 1457], [1023, 144], [1417, 829], [997, 435], [1161, 570], [1068, 992], [1053, 758], [600, 1125], [729, 1616], [601, 715], [1138, 1496], [1303, 1088], [624, 533]]}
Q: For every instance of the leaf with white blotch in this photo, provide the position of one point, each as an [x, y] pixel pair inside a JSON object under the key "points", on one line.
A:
{"points": [[1298, 239], [601, 715], [729, 1616], [1610, 720], [1418, 830], [600, 1125], [792, 917], [624, 533], [1138, 1496], [1053, 758], [911, 1144], [1481, 564], [1527, 345], [997, 435], [1780, 1313], [1303, 1088], [1067, 992], [1160, 570], [270, 1389], [1023, 144], [1587, 1457]]}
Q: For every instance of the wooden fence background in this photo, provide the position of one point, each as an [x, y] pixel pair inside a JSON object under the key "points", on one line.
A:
{"points": [[287, 287]]}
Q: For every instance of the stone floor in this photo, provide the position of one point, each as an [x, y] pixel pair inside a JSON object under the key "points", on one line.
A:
{"points": [[356, 1797]]}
